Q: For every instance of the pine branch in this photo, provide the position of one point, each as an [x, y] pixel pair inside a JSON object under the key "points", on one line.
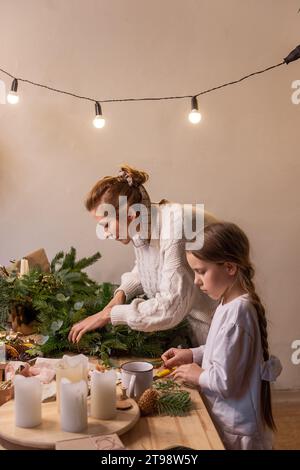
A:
{"points": [[174, 403], [57, 260], [69, 260], [86, 262]]}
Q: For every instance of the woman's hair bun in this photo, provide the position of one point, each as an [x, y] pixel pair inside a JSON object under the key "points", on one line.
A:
{"points": [[137, 177]]}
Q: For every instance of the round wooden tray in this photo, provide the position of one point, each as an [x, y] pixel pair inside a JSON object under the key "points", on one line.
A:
{"points": [[48, 433]]}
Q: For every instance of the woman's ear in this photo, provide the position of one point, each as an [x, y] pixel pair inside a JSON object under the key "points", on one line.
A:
{"points": [[132, 215], [231, 268]]}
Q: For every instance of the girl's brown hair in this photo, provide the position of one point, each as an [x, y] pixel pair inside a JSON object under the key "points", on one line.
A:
{"points": [[226, 242], [128, 183]]}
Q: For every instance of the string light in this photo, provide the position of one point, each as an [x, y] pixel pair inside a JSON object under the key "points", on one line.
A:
{"points": [[13, 97], [99, 120], [293, 55], [194, 115]]}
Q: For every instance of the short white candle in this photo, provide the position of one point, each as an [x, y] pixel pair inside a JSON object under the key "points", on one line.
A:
{"points": [[73, 405], [24, 268], [28, 401], [103, 395]]}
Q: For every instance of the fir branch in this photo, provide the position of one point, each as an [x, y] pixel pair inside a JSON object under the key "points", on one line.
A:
{"points": [[69, 260], [86, 262], [57, 260], [174, 403]]}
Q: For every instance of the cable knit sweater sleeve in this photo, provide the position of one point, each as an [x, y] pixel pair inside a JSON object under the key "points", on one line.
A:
{"points": [[131, 284], [172, 301]]}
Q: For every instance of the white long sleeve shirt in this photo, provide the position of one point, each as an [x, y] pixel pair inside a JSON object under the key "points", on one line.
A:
{"points": [[233, 365], [162, 273]]}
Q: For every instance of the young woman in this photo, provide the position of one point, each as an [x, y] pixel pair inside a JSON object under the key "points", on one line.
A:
{"points": [[161, 271], [233, 368]]}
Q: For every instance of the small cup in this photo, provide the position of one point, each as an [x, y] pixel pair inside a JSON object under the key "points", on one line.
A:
{"points": [[137, 376]]}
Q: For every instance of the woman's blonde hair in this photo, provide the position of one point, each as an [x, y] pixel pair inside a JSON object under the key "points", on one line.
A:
{"points": [[226, 242], [129, 182]]}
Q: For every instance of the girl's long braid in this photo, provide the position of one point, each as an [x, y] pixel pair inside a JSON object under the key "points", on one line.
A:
{"points": [[246, 275]]}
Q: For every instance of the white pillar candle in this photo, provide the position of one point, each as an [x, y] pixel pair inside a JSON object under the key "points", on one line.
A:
{"points": [[24, 268], [28, 401], [103, 395], [73, 405], [78, 366], [74, 368]]}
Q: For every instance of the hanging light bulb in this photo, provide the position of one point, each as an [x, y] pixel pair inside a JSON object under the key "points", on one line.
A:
{"points": [[13, 97], [99, 120], [194, 116]]}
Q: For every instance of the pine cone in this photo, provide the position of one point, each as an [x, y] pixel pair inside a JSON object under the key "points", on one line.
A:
{"points": [[148, 402]]}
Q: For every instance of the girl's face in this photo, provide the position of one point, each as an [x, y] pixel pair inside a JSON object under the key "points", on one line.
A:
{"points": [[213, 279]]}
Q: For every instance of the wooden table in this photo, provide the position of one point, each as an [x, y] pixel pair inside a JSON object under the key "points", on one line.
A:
{"points": [[194, 430]]}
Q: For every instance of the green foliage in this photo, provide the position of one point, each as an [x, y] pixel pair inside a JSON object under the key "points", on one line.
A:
{"points": [[46, 297], [172, 400], [174, 403], [115, 340], [166, 385], [5, 292], [139, 343], [68, 262], [65, 296]]}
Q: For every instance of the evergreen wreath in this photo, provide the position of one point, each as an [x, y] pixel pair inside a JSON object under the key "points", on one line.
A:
{"points": [[55, 301]]}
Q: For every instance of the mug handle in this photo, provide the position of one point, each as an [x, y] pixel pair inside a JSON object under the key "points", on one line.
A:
{"points": [[131, 386]]}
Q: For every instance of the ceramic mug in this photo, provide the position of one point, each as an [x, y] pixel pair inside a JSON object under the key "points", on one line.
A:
{"points": [[137, 376]]}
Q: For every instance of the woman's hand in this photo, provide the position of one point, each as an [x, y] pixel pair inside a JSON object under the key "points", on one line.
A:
{"points": [[175, 357], [189, 374], [98, 320]]}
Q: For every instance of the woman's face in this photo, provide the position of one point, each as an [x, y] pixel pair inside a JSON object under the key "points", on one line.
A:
{"points": [[109, 228], [212, 278]]}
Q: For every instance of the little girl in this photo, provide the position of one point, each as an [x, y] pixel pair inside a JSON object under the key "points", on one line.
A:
{"points": [[236, 369]]}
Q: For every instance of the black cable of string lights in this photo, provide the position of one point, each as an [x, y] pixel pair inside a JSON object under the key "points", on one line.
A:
{"points": [[292, 56]]}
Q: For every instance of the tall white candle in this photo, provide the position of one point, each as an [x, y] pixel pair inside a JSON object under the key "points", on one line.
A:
{"points": [[28, 401], [24, 268], [73, 405], [103, 395]]}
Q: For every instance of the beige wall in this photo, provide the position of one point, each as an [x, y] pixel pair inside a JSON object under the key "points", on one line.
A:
{"points": [[242, 161]]}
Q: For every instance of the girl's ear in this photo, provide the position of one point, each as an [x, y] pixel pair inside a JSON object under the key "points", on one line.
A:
{"points": [[231, 268]]}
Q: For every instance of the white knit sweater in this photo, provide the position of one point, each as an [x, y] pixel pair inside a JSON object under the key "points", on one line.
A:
{"points": [[162, 272]]}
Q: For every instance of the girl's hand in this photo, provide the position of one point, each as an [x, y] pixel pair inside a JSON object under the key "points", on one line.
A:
{"points": [[98, 320], [188, 373], [175, 357]]}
